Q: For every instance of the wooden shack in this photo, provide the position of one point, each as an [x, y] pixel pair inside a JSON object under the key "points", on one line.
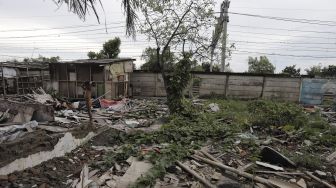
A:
{"points": [[110, 75]]}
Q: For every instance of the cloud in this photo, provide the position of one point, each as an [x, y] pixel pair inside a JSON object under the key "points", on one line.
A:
{"points": [[78, 36]]}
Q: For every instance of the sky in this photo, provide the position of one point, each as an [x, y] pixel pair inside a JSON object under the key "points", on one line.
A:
{"points": [[39, 27]]}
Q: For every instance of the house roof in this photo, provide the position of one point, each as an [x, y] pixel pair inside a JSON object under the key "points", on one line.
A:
{"points": [[23, 65], [96, 61]]}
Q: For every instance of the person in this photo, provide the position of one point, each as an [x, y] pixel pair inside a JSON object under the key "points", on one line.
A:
{"points": [[87, 87]]}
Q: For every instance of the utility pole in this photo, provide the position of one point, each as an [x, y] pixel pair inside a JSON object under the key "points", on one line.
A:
{"points": [[225, 9], [3, 81]]}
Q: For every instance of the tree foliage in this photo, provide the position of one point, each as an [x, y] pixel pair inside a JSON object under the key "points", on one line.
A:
{"points": [[91, 55], [315, 70], [172, 24], [150, 56], [329, 71], [111, 49], [318, 70], [291, 70], [260, 66], [41, 58]]}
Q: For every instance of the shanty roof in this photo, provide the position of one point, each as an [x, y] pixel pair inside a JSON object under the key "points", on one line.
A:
{"points": [[97, 61], [23, 65]]}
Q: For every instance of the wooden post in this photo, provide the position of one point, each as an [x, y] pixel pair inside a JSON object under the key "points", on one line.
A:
{"points": [[226, 84], [263, 87], [17, 85], [155, 82], [67, 79], [76, 92], [3, 81], [42, 79]]}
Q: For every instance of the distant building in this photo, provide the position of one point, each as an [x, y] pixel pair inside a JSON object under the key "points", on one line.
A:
{"points": [[110, 75]]}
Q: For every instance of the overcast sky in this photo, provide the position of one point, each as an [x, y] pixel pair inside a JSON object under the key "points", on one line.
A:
{"points": [[30, 28]]}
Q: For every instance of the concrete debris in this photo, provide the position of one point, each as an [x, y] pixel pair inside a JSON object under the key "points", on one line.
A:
{"points": [[214, 107], [58, 158], [12, 132], [331, 157], [302, 183], [320, 173], [136, 170], [40, 96]]}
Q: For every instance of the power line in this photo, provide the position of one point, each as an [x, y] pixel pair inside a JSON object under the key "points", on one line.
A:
{"points": [[72, 32], [290, 55], [280, 42], [272, 34], [65, 27], [287, 9], [281, 29], [306, 21]]}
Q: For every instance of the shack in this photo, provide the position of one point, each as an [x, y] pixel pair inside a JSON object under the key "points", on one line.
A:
{"points": [[111, 77], [23, 77]]}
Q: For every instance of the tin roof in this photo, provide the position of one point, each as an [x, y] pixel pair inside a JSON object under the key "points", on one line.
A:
{"points": [[96, 61]]}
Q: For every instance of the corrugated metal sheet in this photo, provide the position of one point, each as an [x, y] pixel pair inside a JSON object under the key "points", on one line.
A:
{"points": [[313, 90]]}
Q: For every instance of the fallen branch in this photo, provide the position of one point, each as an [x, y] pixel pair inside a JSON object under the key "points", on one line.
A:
{"points": [[284, 173], [319, 180], [209, 156], [228, 168], [192, 172]]}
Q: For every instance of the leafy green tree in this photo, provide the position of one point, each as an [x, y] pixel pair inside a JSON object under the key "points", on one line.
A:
{"points": [[171, 24], [150, 56], [315, 70], [260, 66], [291, 70], [111, 48], [205, 67], [91, 55], [41, 58], [329, 71]]}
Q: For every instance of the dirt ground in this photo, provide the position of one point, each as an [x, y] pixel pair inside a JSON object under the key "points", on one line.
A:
{"points": [[29, 144], [56, 172]]}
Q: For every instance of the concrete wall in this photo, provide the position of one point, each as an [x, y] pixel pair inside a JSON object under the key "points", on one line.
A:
{"points": [[229, 85]]}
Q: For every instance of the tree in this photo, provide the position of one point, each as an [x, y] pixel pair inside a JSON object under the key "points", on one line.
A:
{"points": [[172, 24], [91, 55], [315, 70], [261, 66], [43, 59], [291, 70], [150, 56], [329, 71], [111, 48], [83, 7]]}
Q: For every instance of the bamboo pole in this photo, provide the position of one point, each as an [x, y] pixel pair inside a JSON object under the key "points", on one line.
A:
{"points": [[319, 180], [197, 176], [228, 168]]}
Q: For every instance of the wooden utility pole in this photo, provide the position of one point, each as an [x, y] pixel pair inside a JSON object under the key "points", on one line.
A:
{"points": [[3, 81], [216, 34], [225, 9]]}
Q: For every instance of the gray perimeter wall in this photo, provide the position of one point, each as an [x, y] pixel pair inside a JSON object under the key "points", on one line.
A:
{"points": [[229, 85], [242, 86]]}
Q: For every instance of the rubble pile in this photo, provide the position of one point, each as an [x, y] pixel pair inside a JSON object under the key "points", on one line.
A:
{"points": [[223, 143]]}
